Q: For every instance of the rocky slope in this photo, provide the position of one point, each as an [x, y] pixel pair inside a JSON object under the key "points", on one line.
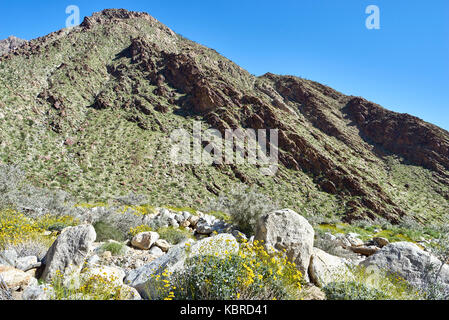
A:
{"points": [[90, 110], [10, 44]]}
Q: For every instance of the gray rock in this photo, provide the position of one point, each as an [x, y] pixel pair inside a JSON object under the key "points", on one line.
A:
{"points": [[26, 263], [408, 261], [325, 268], [69, 251], [156, 252], [204, 227], [38, 292], [287, 230], [8, 257]]}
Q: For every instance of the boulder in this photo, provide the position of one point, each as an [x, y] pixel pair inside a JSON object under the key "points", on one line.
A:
{"points": [[325, 268], [8, 257], [15, 278], [287, 230], [26, 263], [144, 240], [67, 254], [38, 292], [365, 250], [408, 261], [163, 245]]}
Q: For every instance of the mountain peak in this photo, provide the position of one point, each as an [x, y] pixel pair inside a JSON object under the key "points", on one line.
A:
{"points": [[10, 43]]}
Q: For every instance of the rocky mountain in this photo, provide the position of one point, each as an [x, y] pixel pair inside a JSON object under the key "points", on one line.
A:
{"points": [[90, 110], [9, 44]]}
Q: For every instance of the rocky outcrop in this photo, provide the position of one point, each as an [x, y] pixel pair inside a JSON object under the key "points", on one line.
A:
{"points": [[10, 44], [286, 230]]}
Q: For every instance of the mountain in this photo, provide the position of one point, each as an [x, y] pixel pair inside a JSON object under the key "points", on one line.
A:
{"points": [[9, 44], [90, 110]]}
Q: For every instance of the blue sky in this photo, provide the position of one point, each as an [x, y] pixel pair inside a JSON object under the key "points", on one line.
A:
{"points": [[404, 66]]}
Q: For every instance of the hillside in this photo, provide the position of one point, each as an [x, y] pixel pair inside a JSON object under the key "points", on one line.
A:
{"points": [[90, 110]]}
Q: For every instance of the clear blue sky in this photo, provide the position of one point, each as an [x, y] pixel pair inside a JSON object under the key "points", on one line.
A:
{"points": [[404, 66]]}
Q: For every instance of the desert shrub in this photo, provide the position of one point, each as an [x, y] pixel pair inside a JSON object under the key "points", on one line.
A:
{"points": [[329, 246], [16, 228], [94, 287], [132, 199], [251, 274], [17, 194], [362, 283], [244, 205], [174, 235], [431, 287], [30, 247], [352, 291], [106, 231], [116, 248]]}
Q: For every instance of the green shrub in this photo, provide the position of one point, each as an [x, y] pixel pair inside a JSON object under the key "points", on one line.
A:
{"points": [[244, 205], [352, 291], [116, 248], [106, 231], [174, 235]]}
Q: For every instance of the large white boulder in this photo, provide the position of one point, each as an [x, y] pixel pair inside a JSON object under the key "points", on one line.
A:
{"points": [[67, 254], [325, 268], [408, 261], [287, 230]]}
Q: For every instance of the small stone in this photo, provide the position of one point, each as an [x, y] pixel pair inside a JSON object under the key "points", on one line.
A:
{"points": [[163, 245], [381, 242], [193, 220], [156, 252]]}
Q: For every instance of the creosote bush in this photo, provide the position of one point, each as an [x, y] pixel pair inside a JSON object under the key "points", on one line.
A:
{"points": [[370, 284], [244, 205], [174, 235], [107, 231]]}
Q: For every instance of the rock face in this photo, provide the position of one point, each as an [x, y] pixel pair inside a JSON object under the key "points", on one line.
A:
{"points": [[69, 251], [174, 260], [10, 44], [408, 261], [287, 230], [325, 268]]}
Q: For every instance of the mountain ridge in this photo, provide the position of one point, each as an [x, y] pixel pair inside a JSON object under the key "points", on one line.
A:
{"points": [[125, 72]]}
